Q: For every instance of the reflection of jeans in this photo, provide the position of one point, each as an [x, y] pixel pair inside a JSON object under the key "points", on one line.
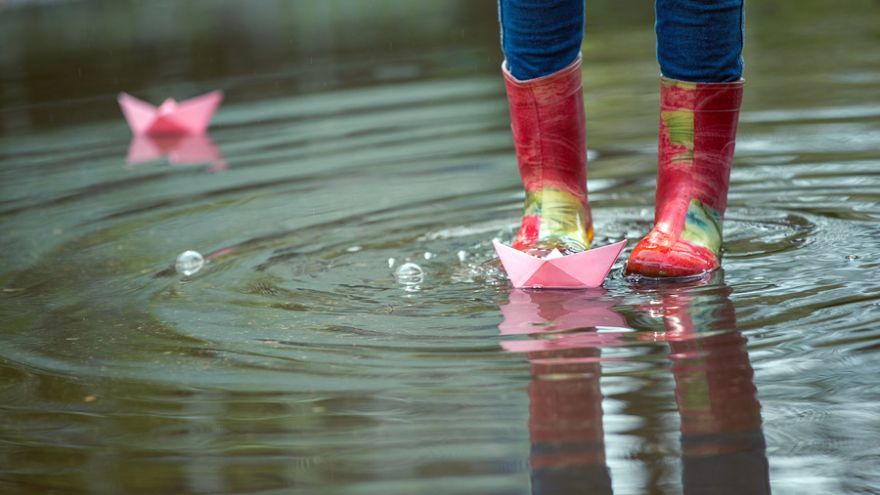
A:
{"points": [[697, 40], [739, 472]]}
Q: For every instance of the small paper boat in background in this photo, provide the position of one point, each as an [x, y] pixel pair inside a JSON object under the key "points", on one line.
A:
{"points": [[170, 118], [575, 271], [179, 150]]}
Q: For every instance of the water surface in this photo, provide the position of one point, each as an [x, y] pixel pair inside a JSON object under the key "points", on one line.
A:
{"points": [[351, 143]]}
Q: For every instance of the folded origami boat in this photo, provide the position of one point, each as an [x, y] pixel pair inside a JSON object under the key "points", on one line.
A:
{"points": [[583, 270], [170, 118]]}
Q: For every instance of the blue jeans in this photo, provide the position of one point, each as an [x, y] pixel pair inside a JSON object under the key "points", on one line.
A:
{"points": [[697, 40]]}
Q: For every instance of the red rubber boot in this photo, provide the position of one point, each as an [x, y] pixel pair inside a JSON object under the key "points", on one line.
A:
{"points": [[547, 118], [697, 136]]}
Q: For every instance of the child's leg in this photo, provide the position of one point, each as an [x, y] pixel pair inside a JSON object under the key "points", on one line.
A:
{"points": [[700, 40], [699, 47], [540, 37], [541, 41]]}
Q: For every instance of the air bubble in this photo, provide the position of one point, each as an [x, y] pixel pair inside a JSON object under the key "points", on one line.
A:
{"points": [[410, 274], [189, 263]]}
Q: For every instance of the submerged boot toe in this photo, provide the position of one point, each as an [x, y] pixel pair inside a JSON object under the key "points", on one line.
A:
{"points": [[659, 255]]}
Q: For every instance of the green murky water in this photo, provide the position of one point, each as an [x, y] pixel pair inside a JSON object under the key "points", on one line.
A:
{"points": [[356, 137]]}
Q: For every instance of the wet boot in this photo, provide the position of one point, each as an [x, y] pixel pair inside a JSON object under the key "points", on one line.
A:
{"points": [[697, 136], [547, 119]]}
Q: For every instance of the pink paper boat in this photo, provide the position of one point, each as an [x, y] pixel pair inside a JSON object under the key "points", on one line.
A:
{"points": [[576, 271], [170, 118]]}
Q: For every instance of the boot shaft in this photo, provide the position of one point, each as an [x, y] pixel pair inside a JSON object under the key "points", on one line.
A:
{"points": [[697, 137], [547, 120]]}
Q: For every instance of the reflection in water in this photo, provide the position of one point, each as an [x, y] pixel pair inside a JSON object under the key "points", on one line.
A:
{"points": [[722, 443], [528, 312], [179, 150], [565, 423], [554, 314], [290, 364]]}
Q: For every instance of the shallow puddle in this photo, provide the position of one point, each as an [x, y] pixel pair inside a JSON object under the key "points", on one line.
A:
{"points": [[304, 357]]}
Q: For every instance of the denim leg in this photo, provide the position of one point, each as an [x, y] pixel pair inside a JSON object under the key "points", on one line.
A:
{"points": [[540, 37], [700, 40]]}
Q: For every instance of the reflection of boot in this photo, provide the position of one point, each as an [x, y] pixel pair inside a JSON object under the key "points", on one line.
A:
{"points": [[565, 424], [547, 118], [723, 449], [722, 442], [565, 400], [697, 136]]}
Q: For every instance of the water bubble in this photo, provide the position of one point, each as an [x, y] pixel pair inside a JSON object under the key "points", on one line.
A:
{"points": [[851, 258], [462, 255], [428, 255], [189, 262], [353, 249], [391, 262], [409, 274]]}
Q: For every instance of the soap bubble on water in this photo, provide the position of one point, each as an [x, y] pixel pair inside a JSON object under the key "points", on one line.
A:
{"points": [[189, 263], [409, 274]]}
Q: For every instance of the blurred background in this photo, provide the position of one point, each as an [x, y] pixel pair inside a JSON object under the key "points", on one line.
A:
{"points": [[79, 53], [62, 59]]}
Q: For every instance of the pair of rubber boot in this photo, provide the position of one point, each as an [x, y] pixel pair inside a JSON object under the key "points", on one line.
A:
{"points": [[697, 135]]}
